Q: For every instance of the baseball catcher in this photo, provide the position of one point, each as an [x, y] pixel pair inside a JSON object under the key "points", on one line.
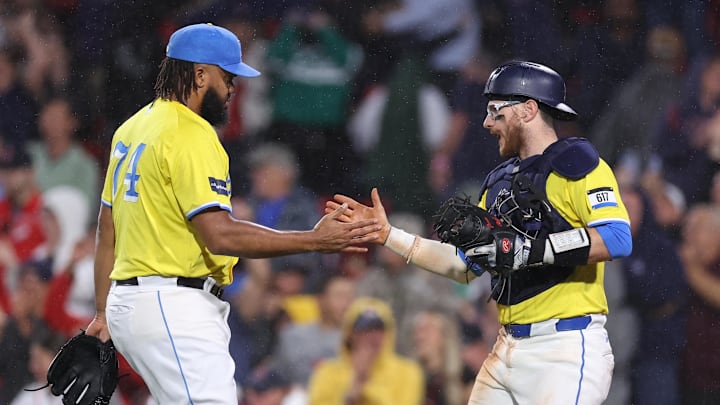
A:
{"points": [[84, 371]]}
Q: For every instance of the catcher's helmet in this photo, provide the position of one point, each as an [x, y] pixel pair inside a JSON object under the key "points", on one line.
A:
{"points": [[533, 80]]}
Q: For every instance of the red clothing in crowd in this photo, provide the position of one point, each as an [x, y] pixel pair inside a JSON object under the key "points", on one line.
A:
{"points": [[23, 226], [23, 229]]}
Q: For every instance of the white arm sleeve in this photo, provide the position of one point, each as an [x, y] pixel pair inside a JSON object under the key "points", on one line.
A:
{"points": [[431, 255]]}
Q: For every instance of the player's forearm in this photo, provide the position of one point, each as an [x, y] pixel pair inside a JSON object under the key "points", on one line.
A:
{"points": [[253, 241], [104, 259], [431, 255]]}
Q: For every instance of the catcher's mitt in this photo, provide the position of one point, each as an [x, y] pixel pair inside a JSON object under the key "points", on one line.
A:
{"points": [[84, 371], [465, 225]]}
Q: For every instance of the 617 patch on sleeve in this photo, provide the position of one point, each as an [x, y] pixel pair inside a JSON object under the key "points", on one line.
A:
{"points": [[602, 197]]}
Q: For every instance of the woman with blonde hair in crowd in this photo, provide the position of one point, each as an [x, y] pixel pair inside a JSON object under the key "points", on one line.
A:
{"points": [[437, 348]]}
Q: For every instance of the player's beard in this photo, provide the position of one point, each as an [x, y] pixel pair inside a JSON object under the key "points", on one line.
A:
{"points": [[511, 141], [213, 109]]}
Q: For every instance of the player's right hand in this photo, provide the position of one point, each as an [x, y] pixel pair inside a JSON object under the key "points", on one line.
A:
{"points": [[98, 328], [359, 212], [334, 235]]}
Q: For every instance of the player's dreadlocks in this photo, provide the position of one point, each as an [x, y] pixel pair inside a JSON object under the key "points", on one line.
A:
{"points": [[176, 80]]}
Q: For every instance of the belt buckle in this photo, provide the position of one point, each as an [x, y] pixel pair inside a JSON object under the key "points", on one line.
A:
{"points": [[210, 285], [518, 331]]}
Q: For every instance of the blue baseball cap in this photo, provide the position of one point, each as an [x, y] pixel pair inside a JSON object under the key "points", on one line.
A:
{"points": [[208, 43]]}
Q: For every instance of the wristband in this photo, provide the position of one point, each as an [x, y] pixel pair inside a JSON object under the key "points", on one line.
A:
{"points": [[401, 242], [567, 248]]}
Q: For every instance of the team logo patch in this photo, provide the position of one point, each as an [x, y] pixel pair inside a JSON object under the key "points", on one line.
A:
{"points": [[221, 187], [602, 197]]}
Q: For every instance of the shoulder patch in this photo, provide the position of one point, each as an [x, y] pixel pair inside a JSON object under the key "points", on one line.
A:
{"points": [[578, 158], [221, 187], [602, 197]]}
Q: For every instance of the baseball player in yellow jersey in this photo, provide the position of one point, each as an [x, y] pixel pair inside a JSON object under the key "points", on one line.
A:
{"points": [[166, 239], [566, 218]]}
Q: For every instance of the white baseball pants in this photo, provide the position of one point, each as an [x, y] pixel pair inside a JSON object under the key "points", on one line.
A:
{"points": [[559, 368], [176, 338]]}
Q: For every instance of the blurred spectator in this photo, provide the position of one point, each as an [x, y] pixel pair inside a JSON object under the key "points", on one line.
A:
{"points": [[468, 152], [700, 252], [637, 107], [436, 40], [657, 290], [23, 324], [380, 51], [607, 54], [70, 304], [446, 34], [255, 319], [437, 349], [699, 21], [17, 108], [288, 288], [65, 222], [21, 204], [277, 200], [399, 160], [58, 158], [43, 348], [312, 66], [266, 387], [302, 346], [367, 369], [474, 351], [46, 66], [400, 285], [249, 110], [691, 126]]}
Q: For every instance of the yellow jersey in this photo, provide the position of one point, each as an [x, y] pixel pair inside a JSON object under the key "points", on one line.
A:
{"points": [[166, 165], [590, 201]]}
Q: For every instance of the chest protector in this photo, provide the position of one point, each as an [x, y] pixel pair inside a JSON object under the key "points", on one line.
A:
{"points": [[516, 191]]}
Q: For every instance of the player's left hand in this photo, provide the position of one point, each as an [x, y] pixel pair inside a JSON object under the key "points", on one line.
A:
{"points": [[359, 212], [508, 252]]}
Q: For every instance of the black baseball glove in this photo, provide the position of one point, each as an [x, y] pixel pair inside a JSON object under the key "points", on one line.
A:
{"points": [[464, 225], [84, 371]]}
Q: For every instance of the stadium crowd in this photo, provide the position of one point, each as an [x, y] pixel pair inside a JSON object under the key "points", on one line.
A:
{"points": [[384, 93]]}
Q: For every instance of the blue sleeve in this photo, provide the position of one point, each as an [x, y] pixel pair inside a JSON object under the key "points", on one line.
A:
{"points": [[617, 238]]}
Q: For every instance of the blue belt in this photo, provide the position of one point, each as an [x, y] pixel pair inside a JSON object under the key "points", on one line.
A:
{"points": [[577, 323]]}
